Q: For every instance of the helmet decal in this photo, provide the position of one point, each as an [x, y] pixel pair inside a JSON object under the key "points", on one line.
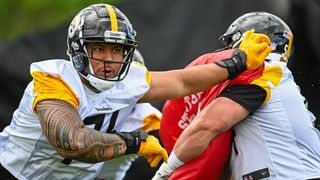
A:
{"points": [[75, 25], [119, 36]]}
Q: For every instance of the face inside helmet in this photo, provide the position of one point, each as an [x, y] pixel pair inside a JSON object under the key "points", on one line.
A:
{"points": [[261, 22], [106, 59], [101, 43]]}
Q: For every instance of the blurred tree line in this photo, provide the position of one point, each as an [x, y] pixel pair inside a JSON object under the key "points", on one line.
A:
{"points": [[170, 35], [20, 17]]}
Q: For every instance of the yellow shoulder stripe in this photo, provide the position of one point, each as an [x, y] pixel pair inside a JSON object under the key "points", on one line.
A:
{"points": [[271, 74], [49, 87]]}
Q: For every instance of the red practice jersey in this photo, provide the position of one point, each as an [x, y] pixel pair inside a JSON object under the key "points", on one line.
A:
{"points": [[179, 113]]}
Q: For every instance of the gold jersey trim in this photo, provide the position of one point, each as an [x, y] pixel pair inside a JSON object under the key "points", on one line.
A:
{"points": [[50, 87], [271, 74]]}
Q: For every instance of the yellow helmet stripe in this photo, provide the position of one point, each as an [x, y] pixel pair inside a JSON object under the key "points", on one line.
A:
{"points": [[113, 18]]}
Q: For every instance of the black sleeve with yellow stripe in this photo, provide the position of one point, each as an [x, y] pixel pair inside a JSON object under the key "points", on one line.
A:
{"points": [[250, 96]]}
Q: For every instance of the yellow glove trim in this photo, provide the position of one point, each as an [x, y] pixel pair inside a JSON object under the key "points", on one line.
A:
{"points": [[257, 47], [153, 151]]}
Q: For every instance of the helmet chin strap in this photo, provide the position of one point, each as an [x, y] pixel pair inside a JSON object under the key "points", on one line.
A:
{"points": [[97, 83], [100, 84]]}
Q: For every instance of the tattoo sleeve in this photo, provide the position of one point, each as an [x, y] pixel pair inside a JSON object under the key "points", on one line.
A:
{"points": [[64, 129]]}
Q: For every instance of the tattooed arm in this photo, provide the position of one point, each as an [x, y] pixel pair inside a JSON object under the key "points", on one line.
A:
{"points": [[66, 132]]}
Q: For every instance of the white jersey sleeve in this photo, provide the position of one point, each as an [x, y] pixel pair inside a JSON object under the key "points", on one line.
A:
{"points": [[279, 140]]}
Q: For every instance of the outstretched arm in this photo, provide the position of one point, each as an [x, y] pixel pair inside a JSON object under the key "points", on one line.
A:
{"points": [[64, 129], [178, 83], [66, 132]]}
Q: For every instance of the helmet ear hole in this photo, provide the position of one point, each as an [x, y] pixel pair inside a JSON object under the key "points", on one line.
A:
{"points": [[78, 62]]}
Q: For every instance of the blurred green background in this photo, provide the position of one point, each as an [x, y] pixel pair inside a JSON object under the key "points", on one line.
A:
{"points": [[170, 34], [21, 17]]}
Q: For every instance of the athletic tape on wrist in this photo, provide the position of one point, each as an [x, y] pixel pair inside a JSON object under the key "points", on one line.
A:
{"points": [[174, 162]]}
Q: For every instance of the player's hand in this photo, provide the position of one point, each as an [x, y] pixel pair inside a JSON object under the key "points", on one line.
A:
{"points": [[257, 47], [164, 172], [153, 151]]}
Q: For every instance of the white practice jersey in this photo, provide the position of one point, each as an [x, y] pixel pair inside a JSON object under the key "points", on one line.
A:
{"points": [[279, 141], [25, 150]]}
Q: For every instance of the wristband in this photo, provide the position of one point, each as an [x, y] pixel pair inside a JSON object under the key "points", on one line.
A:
{"points": [[133, 140], [235, 65], [174, 162]]}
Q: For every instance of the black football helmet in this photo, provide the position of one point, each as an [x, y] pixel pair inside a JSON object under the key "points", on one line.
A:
{"points": [[262, 22], [100, 23]]}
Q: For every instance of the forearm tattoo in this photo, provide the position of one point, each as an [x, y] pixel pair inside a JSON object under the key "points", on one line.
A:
{"points": [[63, 127]]}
